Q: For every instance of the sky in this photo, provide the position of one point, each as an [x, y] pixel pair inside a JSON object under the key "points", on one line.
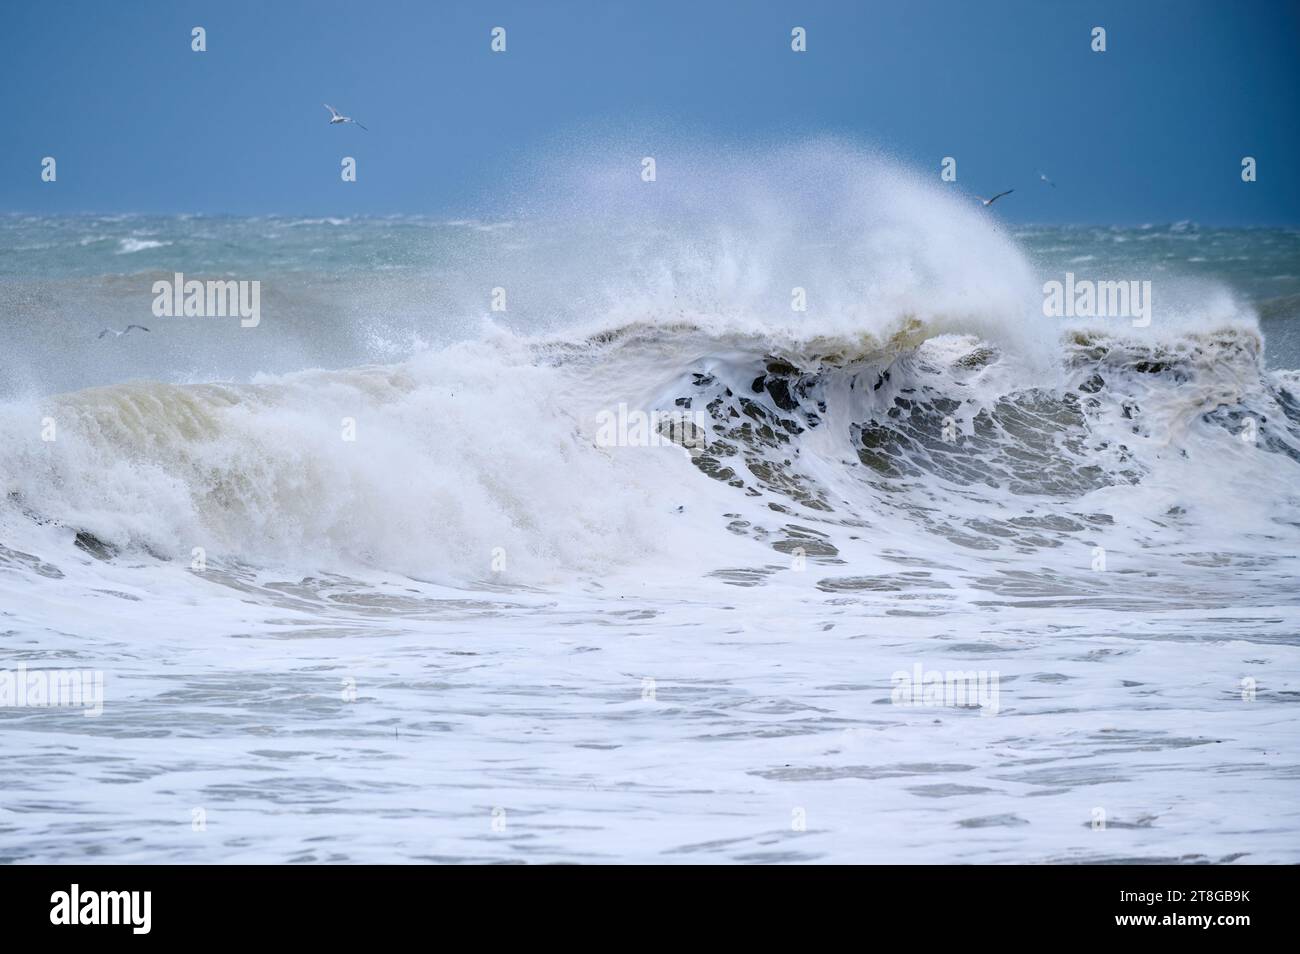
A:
{"points": [[1154, 129]]}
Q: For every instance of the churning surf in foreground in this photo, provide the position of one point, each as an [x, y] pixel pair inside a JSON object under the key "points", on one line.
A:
{"points": [[760, 514]]}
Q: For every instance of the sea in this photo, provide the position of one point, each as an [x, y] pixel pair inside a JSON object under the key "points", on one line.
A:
{"points": [[902, 568]]}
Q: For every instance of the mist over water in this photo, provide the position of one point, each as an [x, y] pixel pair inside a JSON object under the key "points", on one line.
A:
{"points": [[389, 482]]}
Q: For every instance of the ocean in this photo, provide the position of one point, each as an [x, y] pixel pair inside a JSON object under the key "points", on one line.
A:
{"points": [[902, 568]]}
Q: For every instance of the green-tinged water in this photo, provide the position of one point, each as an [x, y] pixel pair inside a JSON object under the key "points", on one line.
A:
{"points": [[339, 292]]}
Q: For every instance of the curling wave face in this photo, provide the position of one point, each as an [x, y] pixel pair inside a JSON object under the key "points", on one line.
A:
{"points": [[838, 450]]}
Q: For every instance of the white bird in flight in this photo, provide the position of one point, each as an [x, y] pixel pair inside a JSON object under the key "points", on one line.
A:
{"points": [[117, 334], [336, 117], [988, 202], [1044, 178]]}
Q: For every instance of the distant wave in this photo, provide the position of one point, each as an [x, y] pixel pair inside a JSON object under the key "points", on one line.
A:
{"points": [[128, 246]]}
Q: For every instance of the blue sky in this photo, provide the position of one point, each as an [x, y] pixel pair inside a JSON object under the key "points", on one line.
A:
{"points": [[1152, 130]]}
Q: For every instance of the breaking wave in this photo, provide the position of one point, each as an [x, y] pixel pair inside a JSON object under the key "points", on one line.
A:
{"points": [[919, 405]]}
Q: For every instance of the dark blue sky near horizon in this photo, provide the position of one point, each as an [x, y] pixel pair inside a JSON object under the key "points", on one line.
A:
{"points": [[1152, 130]]}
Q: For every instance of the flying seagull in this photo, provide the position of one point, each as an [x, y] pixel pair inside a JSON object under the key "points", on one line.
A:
{"points": [[988, 202], [336, 117], [1044, 178], [117, 334]]}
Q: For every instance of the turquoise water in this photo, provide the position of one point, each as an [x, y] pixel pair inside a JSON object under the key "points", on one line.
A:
{"points": [[341, 292]]}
